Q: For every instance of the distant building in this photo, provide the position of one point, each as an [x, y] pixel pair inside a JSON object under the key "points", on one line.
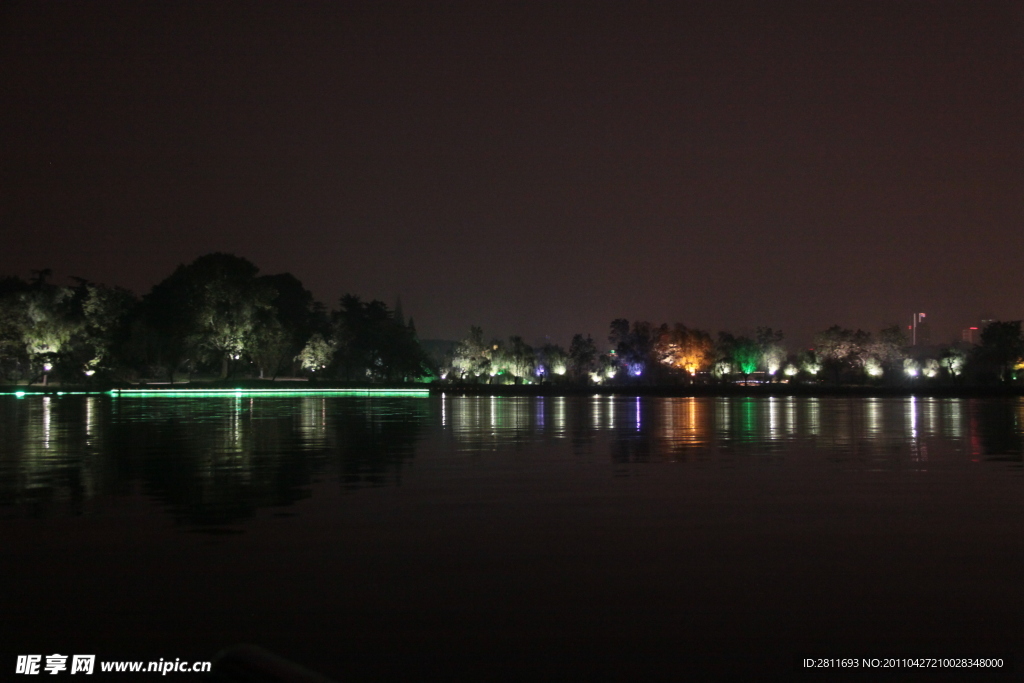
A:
{"points": [[920, 332]]}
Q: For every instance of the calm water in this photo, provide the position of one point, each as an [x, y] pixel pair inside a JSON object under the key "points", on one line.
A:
{"points": [[512, 538]]}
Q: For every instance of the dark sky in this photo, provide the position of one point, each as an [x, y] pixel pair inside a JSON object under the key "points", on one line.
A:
{"points": [[533, 168]]}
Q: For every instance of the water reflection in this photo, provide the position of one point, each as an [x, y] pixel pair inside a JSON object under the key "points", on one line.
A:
{"points": [[217, 460]]}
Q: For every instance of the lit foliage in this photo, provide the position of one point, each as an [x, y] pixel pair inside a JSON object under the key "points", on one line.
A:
{"points": [[48, 323], [268, 346], [841, 349], [889, 348], [607, 366], [317, 354], [104, 312], [873, 366], [930, 368], [791, 370], [746, 354], [471, 357], [840, 345], [911, 367], [551, 360], [517, 358], [953, 360], [228, 302], [810, 362], [634, 346], [684, 349], [773, 353]]}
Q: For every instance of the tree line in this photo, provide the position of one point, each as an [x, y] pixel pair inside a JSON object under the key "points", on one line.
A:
{"points": [[217, 317], [640, 352]]}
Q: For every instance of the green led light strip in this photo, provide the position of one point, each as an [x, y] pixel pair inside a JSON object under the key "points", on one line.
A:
{"points": [[22, 394], [269, 392], [198, 393]]}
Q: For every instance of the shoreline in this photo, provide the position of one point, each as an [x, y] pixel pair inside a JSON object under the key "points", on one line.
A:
{"points": [[270, 387]]}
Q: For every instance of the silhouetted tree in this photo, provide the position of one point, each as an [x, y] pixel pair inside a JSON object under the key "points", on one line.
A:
{"points": [[372, 345], [634, 345], [582, 357], [1002, 346]]}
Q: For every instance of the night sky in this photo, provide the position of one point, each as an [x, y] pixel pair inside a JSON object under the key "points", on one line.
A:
{"points": [[533, 168]]}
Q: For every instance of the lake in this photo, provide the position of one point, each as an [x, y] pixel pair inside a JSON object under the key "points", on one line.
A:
{"points": [[490, 538]]}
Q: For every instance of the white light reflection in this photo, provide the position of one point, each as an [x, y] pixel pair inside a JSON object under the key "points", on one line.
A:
{"points": [[791, 415], [873, 410], [722, 417], [774, 409], [313, 421], [47, 407], [638, 413], [560, 416], [931, 416], [90, 419], [918, 449], [912, 418], [814, 416], [540, 413], [952, 418]]}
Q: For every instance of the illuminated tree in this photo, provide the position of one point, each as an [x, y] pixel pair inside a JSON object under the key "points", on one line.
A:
{"points": [[773, 353], [284, 328], [810, 362], [684, 349], [317, 354], [953, 359], [471, 357], [746, 355], [518, 359], [888, 348], [634, 345], [106, 313], [268, 346], [47, 323], [552, 361], [841, 349], [207, 311]]}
